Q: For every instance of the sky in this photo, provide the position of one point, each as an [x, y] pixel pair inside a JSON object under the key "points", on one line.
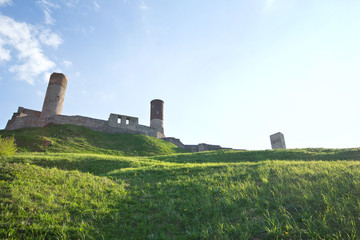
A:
{"points": [[230, 73]]}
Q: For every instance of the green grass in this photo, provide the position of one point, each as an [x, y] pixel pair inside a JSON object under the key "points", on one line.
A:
{"points": [[75, 139], [281, 194], [7, 146]]}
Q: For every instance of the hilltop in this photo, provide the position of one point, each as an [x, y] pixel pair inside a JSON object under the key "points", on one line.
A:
{"points": [[86, 185], [75, 139]]}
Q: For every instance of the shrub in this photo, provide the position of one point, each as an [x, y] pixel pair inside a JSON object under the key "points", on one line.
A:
{"points": [[7, 146]]}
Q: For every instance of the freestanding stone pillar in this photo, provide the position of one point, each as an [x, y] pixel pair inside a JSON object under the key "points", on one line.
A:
{"points": [[157, 116], [277, 141], [55, 95]]}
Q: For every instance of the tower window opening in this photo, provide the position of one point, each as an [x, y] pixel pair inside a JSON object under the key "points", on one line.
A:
{"points": [[127, 121], [119, 120]]}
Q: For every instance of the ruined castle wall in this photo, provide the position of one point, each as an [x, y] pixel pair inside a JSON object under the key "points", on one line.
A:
{"points": [[29, 112], [10, 123], [139, 129], [103, 126], [126, 124], [91, 123], [203, 147], [129, 125], [22, 112], [21, 120], [192, 148], [208, 147], [25, 122], [148, 131], [174, 141]]}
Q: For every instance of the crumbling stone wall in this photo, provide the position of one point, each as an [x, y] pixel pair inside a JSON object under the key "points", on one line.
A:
{"points": [[91, 123], [174, 141], [52, 109], [193, 148], [25, 118]]}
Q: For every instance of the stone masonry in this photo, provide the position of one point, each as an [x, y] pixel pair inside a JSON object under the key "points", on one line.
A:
{"points": [[277, 141], [52, 109], [55, 95]]}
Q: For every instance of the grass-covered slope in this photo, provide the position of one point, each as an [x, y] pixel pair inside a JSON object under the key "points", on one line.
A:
{"points": [[75, 139], [210, 195], [68, 182], [307, 154]]}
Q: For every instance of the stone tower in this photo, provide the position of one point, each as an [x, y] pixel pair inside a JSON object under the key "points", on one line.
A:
{"points": [[157, 116], [277, 141], [55, 94]]}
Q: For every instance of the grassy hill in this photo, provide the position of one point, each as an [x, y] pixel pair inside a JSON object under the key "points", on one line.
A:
{"points": [[280, 194], [75, 139]]}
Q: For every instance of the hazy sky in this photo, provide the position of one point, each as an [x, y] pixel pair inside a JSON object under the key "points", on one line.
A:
{"points": [[230, 72]]}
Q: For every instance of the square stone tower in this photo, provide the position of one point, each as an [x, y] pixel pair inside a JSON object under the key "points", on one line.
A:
{"points": [[277, 141]]}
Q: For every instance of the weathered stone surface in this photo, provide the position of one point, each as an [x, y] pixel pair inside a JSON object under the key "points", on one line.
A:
{"points": [[55, 95], [52, 109], [277, 141], [174, 141], [58, 79], [157, 116], [208, 147], [157, 109], [117, 120], [158, 125], [193, 148]]}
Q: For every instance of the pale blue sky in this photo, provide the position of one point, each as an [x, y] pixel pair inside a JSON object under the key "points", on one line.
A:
{"points": [[230, 72]]}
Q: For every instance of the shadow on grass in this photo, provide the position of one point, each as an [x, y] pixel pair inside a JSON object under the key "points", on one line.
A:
{"points": [[259, 199], [87, 164], [95, 167], [234, 156]]}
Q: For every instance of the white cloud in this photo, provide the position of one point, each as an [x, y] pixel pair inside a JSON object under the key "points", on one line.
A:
{"points": [[143, 5], [67, 63], [4, 53], [25, 39], [5, 2], [48, 18], [50, 38], [96, 6], [47, 7]]}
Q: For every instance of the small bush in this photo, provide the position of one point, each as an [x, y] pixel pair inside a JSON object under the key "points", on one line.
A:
{"points": [[7, 146]]}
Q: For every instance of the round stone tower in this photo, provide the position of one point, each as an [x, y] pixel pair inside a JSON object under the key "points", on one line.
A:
{"points": [[55, 94], [157, 116]]}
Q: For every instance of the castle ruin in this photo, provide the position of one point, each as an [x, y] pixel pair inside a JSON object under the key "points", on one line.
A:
{"points": [[277, 141], [52, 114]]}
